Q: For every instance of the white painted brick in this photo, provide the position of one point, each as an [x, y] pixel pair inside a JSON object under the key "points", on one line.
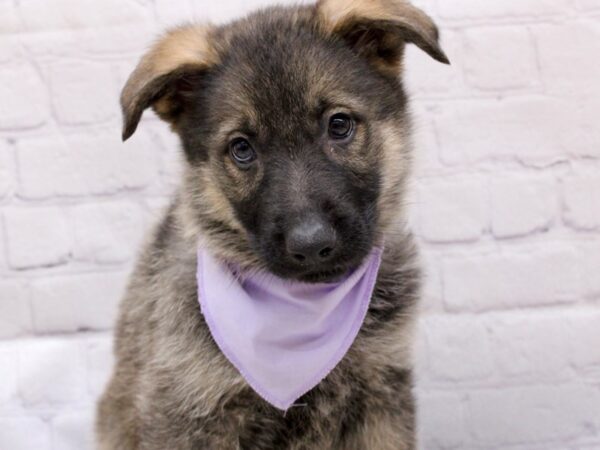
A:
{"points": [[584, 446], [82, 92], [432, 296], [526, 278], [426, 158], [440, 420], [133, 164], [474, 9], [532, 347], [171, 13], [107, 232], [584, 338], [15, 312], [9, 48], [102, 295], [48, 168], [533, 414], [91, 163], [72, 14], [227, 10], [545, 446], [100, 363], [54, 310], [116, 44], [452, 209], [589, 5], [3, 250], [8, 377], [591, 264], [522, 204], [565, 56], [52, 372], [500, 58], [24, 433], [129, 40], [536, 130], [74, 430], [582, 200], [427, 77], [9, 18], [24, 98], [36, 237], [71, 303], [421, 353], [7, 170], [458, 349], [585, 143]]}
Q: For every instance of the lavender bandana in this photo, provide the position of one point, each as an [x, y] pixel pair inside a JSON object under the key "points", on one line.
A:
{"points": [[283, 336]]}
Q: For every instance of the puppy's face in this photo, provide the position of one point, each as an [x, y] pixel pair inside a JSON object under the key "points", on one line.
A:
{"points": [[291, 132], [294, 127]]}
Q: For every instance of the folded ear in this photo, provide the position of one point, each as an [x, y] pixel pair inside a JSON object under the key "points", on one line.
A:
{"points": [[379, 29], [163, 72]]}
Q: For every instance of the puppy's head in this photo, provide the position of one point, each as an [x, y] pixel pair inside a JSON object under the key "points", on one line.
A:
{"points": [[294, 126]]}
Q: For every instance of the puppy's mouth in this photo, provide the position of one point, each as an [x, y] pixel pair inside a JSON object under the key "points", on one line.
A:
{"points": [[325, 276], [329, 273]]}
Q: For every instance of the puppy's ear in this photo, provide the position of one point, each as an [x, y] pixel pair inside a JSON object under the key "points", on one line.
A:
{"points": [[164, 72], [379, 29]]}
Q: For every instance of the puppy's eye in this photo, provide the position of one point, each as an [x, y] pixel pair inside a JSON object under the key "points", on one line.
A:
{"points": [[341, 126], [242, 152]]}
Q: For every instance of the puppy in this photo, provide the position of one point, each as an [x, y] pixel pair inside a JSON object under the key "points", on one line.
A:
{"points": [[296, 133]]}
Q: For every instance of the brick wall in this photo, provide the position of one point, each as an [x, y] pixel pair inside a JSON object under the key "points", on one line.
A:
{"points": [[505, 202]]}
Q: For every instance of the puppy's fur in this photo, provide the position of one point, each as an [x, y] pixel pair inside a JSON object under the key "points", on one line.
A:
{"points": [[274, 76]]}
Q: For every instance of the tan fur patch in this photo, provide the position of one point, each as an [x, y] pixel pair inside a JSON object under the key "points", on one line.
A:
{"points": [[188, 44], [413, 25], [209, 197], [182, 46], [336, 13], [396, 163], [185, 46]]}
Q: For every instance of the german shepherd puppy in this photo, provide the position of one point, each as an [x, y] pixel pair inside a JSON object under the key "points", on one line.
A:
{"points": [[288, 115]]}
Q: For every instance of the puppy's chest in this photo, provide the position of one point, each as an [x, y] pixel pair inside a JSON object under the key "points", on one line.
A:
{"points": [[325, 417], [379, 352]]}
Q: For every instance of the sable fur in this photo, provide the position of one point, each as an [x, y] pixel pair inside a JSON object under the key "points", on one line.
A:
{"points": [[172, 388]]}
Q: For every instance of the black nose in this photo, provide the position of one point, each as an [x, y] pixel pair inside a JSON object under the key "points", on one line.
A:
{"points": [[311, 241]]}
